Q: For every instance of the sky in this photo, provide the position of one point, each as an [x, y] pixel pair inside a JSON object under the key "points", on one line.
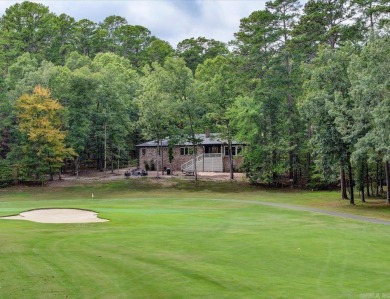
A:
{"points": [[170, 20]]}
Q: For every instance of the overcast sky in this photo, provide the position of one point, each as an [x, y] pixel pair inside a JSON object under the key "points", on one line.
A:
{"points": [[170, 20]]}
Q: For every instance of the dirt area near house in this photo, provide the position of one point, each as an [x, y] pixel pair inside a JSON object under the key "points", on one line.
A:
{"points": [[98, 176]]}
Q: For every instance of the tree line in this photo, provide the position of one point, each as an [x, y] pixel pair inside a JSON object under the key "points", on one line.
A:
{"points": [[305, 87]]}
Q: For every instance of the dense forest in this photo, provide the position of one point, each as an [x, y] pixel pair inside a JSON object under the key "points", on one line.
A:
{"points": [[307, 89]]}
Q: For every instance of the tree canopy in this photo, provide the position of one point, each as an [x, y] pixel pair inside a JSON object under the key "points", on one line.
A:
{"points": [[303, 87]]}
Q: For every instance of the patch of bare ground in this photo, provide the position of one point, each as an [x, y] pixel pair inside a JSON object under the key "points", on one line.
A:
{"points": [[99, 177]]}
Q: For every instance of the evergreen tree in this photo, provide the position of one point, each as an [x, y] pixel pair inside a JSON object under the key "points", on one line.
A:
{"points": [[25, 27], [196, 51], [179, 85], [217, 86], [156, 112], [370, 93]]}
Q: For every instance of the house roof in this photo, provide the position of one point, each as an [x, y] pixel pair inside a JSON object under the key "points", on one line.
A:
{"points": [[213, 139]]}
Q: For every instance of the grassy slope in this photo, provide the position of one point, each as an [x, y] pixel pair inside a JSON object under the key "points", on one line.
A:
{"points": [[146, 187], [173, 242]]}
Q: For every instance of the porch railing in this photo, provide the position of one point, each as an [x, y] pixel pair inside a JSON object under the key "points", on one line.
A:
{"points": [[204, 162]]}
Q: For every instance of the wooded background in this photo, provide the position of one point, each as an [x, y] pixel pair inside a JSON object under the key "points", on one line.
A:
{"points": [[306, 88]]}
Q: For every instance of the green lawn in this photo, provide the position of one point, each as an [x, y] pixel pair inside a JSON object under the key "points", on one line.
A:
{"points": [[175, 242]]}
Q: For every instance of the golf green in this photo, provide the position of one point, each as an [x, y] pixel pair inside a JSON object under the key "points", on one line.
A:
{"points": [[186, 245]]}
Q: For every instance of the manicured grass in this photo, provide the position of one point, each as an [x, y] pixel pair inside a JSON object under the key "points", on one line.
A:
{"points": [[173, 241]]}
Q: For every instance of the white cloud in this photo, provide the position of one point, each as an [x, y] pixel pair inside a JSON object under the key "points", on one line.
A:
{"points": [[165, 19], [5, 4], [221, 18], [218, 19]]}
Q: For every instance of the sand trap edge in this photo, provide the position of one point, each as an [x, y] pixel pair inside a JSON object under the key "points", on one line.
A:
{"points": [[57, 215]]}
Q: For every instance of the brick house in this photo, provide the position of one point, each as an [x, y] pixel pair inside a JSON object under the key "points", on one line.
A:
{"points": [[212, 154]]}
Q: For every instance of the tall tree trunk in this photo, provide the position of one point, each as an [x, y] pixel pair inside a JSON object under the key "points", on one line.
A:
{"points": [[158, 159], [193, 144], [290, 103], [351, 182], [162, 158], [291, 163], [361, 176], [231, 159], [367, 180], [291, 142], [387, 168], [118, 161], [343, 183], [371, 17], [377, 179], [105, 147], [274, 174], [381, 179], [77, 166], [194, 159], [362, 196], [308, 161]]}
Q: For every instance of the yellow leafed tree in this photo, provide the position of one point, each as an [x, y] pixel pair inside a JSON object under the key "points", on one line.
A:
{"points": [[42, 138]]}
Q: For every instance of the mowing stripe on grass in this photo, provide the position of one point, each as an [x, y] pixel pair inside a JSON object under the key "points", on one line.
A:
{"points": [[307, 209]]}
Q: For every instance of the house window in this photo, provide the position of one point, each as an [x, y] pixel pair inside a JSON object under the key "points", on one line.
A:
{"points": [[236, 149], [186, 151], [143, 151]]}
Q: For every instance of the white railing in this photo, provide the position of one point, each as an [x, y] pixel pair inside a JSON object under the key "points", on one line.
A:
{"points": [[212, 155], [190, 163], [204, 162]]}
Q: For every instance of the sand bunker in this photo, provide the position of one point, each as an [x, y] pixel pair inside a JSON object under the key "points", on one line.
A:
{"points": [[58, 216]]}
